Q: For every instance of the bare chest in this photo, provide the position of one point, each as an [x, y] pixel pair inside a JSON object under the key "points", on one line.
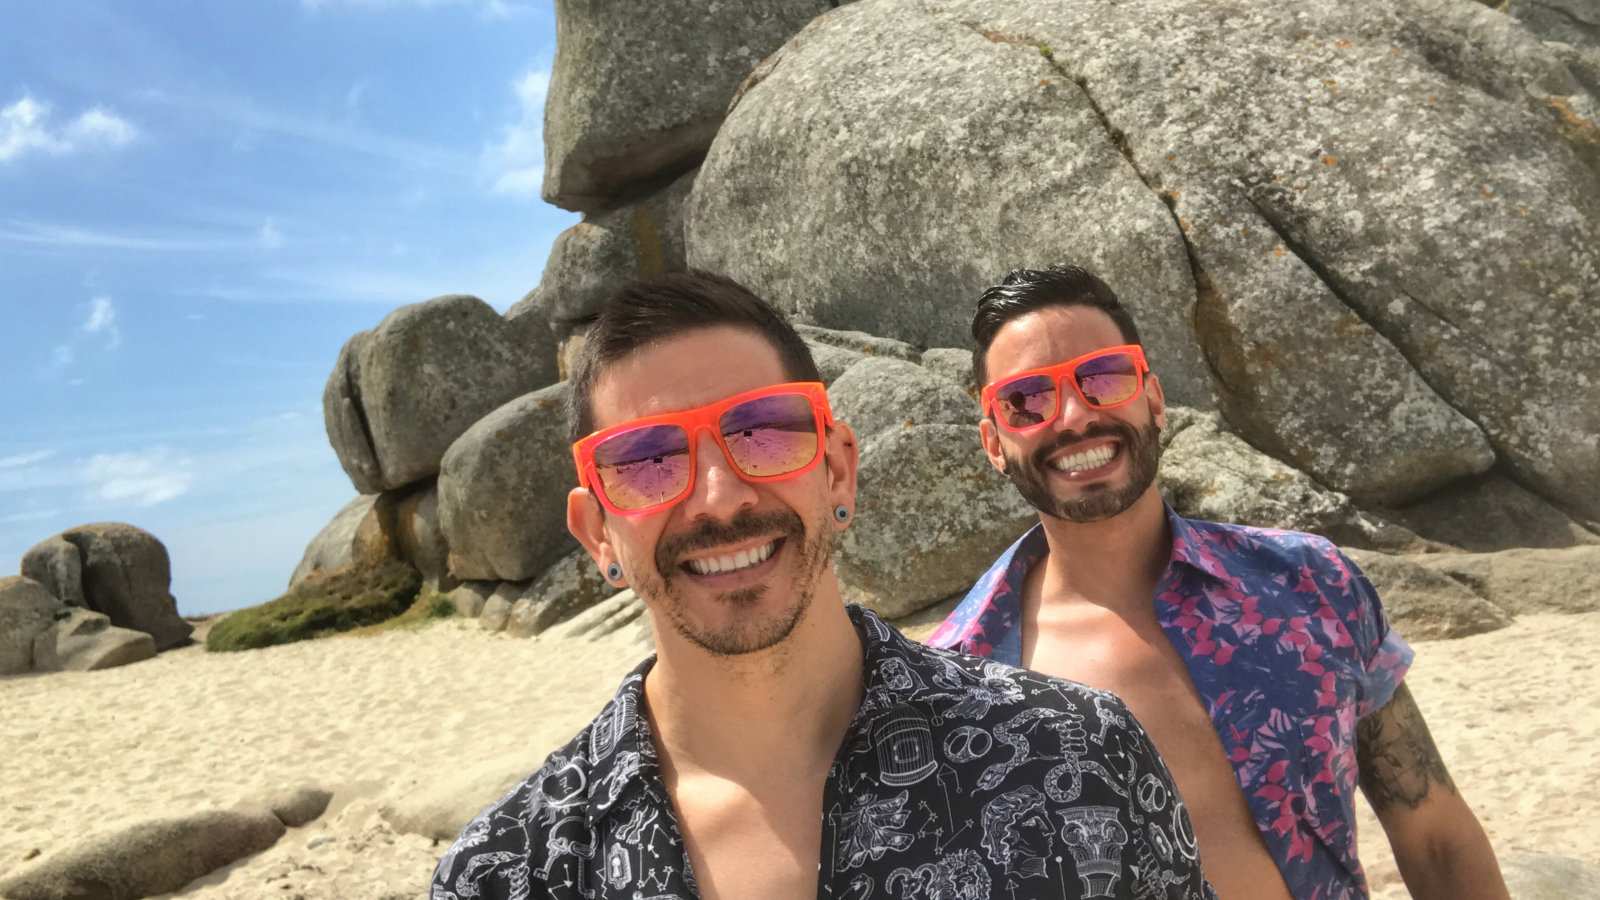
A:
{"points": [[743, 841], [1138, 663]]}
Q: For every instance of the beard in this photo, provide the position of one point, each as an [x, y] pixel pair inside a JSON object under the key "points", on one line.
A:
{"points": [[1140, 446], [747, 630]]}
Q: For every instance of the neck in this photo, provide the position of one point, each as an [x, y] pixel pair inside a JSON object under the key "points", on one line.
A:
{"points": [[1114, 562], [783, 709]]}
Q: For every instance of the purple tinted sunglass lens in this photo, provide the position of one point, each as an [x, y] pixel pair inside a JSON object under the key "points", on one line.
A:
{"points": [[772, 435], [1108, 380], [643, 467], [1026, 401]]}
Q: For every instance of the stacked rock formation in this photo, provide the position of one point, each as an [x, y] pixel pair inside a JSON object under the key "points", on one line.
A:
{"points": [[1362, 241], [92, 597]]}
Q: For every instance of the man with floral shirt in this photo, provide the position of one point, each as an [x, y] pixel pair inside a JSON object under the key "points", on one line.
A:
{"points": [[1259, 660], [781, 745]]}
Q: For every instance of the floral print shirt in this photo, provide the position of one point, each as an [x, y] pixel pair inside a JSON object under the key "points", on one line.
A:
{"points": [[1287, 644], [958, 779]]}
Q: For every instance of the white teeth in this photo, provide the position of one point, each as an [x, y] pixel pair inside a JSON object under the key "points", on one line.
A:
{"points": [[1088, 459], [744, 559]]}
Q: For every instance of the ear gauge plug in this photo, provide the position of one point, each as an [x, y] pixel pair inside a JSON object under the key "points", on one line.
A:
{"points": [[841, 514], [614, 573]]}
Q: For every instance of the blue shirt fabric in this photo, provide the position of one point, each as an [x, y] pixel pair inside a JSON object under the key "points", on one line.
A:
{"points": [[1286, 643]]}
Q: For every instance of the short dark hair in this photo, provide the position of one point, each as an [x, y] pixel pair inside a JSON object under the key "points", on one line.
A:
{"points": [[653, 309], [1025, 290]]}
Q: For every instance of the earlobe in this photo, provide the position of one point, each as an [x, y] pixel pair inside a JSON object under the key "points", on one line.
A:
{"points": [[841, 459]]}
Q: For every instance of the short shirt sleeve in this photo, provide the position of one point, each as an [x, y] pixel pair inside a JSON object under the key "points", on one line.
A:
{"points": [[1385, 656]]}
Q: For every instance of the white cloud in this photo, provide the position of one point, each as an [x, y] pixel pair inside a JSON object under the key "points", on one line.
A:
{"points": [[26, 127], [269, 235], [62, 356], [489, 9], [99, 126], [29, 516], [517, 159], [241, 112], [57, 237], [145, 478], [103, 321], [22, 460]]}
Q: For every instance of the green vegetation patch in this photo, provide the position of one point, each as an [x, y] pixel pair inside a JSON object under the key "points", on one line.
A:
{"points": [[321, 605], [429, 607]]}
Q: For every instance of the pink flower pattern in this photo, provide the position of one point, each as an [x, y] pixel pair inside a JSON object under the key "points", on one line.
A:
{"points": [[1287, 644]]}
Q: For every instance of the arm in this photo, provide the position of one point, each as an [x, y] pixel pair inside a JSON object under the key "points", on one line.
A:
{"points": [[1441, 849]]}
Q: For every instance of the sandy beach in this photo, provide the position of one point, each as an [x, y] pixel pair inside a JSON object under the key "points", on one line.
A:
{"points": [[372, 718]]}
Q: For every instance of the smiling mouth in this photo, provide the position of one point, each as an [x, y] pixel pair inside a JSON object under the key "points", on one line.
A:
{"points": [[730, 563], [1087, 460]]}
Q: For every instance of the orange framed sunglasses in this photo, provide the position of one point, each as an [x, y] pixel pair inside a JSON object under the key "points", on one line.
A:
{"points": [[647, 465], [1104, 379]]}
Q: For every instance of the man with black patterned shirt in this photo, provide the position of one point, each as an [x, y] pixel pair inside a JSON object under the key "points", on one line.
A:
{"points": [[781, 744]]}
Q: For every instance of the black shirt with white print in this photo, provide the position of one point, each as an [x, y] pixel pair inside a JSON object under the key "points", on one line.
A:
{"points": [[958, 779]]}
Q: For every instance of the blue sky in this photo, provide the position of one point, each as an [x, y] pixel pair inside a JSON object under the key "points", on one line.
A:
{"points": [[199, 203]]}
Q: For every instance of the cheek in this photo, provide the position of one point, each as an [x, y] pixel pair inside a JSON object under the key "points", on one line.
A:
{"points": [[635, 540]]}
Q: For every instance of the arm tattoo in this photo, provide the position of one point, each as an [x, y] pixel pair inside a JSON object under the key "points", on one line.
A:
{"points": [[1396, 755]]}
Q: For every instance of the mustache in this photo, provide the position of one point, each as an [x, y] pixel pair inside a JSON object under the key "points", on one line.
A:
{"points": [[745, 525], [1121, 430]]}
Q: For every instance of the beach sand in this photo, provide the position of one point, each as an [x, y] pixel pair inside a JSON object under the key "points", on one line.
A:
{"points": [[376, 717]]}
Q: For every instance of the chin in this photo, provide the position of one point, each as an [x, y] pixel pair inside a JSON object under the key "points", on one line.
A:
{"points": [[743, 622]]}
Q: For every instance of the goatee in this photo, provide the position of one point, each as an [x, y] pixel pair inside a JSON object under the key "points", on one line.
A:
{"points": [[1140, 447]]}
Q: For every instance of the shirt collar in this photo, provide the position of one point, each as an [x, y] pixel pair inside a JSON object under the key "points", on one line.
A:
{"points": [[618, 746], [1192, 545]]}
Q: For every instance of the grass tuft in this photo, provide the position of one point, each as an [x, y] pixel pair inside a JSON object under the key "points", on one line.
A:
{"points": [[321, 605]]}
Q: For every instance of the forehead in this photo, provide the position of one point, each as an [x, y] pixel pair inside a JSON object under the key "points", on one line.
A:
{"points": [[1050, 335], [684, 371]]}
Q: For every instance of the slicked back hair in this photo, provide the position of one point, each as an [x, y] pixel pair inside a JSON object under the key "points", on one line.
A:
{"points": [[646, 311], [1025, 290]]}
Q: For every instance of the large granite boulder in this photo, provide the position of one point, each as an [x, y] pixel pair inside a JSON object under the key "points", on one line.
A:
{"points": [[1208, 473], [931, 515], [832, 361], [146, 858], [418, 537], [496, 610], [122, 571], [1491, 513], [566, 589], [592, 259], [357, 534], [887, 164], [56, 564], [955, 365], [469, 598], [503, 490], [858, 342], [880, 393], [1565, 580], [403, 392], [1330, 235], [83, 641], [637, 94], [1426, 604], [27, 610]]}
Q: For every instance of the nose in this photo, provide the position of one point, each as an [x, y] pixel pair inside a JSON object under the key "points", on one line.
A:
{"points": [[719, 493], [1075, 415]]}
